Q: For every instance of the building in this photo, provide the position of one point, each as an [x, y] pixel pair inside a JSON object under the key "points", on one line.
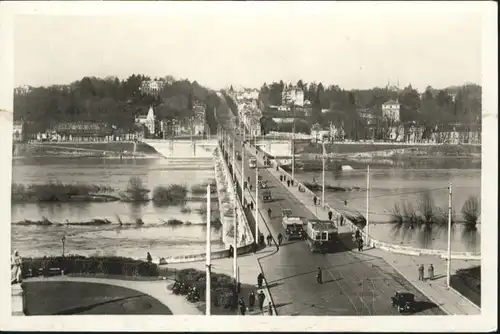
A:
{"points": [[18, 133], [152, 87], [292, 95], [148, 120], [199, 120], [391, 110], [367, 115], [79, 132]]}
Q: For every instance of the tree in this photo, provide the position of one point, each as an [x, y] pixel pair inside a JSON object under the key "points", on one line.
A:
{"points": [[190, 102]]}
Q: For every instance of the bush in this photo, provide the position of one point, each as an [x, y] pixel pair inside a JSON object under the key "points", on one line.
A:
{"points": [[471, 211], [173, 194], [135, 190], [54, 191], [201, 189], [77, 264]]}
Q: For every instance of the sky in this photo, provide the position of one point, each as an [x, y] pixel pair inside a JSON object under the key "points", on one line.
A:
{"points": [[352, 45]]}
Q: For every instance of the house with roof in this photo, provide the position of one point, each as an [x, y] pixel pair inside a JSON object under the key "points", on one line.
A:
{"points": [[148, 120], [391, 110]]}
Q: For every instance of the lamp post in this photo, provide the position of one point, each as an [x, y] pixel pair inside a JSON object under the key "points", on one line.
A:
{"points": [[368, 205], [448, 271], [63, 240], [256, 204], [208, 298], [323, 183]]}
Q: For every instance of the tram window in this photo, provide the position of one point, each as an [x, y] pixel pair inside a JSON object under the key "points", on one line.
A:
{"points": [[317, 236], [330, 236], [323, 235]]}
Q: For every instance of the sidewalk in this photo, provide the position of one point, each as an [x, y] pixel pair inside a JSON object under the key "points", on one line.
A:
{"points": [[248, 271], [449, 300]]}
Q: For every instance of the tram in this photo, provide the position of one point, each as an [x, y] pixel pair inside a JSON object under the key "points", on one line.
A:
{"points": [[322, 235]]}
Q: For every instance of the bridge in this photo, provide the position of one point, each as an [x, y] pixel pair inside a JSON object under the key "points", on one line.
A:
{"points": [[183, 148]]}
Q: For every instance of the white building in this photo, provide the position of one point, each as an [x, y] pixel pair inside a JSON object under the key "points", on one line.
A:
{"points": [[292, 95], [17, 131], [152, 87], [148, 120], [391, 110]]}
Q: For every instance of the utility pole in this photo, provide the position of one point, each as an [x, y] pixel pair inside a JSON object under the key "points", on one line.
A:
{"points": [[233, 164], [243, 168], [448, 271], [367, 205], [235, 245], [323, 187], [293, 143], [208, 280], [256, 204]]}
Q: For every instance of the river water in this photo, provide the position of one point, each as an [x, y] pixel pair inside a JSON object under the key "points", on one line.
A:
{"points": [[128, 240], [392, 185]]}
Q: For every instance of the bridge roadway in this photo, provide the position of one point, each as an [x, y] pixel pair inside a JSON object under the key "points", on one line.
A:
{"points": [[354, 283]]}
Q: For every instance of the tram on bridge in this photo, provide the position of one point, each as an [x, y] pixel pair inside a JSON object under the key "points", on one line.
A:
{"points": [[322, 235]]}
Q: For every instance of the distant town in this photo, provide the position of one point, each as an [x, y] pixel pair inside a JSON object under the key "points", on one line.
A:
{"points": [[104, 110]]}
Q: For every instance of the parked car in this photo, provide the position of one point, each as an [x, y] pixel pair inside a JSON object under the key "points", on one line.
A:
{"points": [[404, 301]]}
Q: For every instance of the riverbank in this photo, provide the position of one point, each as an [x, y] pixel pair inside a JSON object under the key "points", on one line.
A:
{"points": [[83, 149]]}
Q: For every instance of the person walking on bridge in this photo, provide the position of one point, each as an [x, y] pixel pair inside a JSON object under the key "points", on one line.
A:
{"points": [[251, 301], [288, 183], [315, 200], [280, 239], [261, 298], [421, 272], [260, 279], [330, 215]]}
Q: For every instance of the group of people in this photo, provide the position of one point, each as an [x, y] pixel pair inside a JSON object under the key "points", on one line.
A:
{"points": [[252, 298], [289, 182], [421, 270]]}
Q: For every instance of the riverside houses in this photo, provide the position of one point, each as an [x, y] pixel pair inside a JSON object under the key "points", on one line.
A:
{"points": [[87, 132], [18, 131]]}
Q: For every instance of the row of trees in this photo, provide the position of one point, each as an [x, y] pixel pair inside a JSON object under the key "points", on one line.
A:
{"points": [[111, 101], [430, 110]]}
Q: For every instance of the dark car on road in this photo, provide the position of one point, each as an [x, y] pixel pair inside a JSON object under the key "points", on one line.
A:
{"points": [[404, 301]]}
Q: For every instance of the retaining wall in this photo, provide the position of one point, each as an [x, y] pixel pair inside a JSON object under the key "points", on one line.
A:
{"points": [[387, 246], [225, 189]]}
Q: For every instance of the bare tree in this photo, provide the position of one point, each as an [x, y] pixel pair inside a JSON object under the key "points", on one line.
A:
{"points": [[471, 211]]}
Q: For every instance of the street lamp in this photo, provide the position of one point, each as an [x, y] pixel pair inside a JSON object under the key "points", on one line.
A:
{"points": [[63, 240], [323, 187]]}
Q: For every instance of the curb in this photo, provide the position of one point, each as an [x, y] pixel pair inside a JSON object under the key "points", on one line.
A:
{"points": [[467, 299]]}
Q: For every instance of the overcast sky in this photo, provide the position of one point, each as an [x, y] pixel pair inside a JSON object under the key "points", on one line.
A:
{"points": [[351, 45]]}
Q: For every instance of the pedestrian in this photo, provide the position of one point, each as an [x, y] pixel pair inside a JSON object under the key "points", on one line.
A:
{"points": [[341, 220], [421, 272], [315, 200], [284, 178], [248, 179], [230, 253], [430, 270], [280, 239], [251, 301], [243, 307], [261, 298], [269, 309], [251, 205], [291, 182], [260, 279], [250, 187], [281, 178], [149, 258], [261, 238], [245, 184], [330, 215], [269, 238], [288, 183], [360, 244], [319, 276]]}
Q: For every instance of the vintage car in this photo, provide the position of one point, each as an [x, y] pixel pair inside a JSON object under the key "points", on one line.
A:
{"points": [[263, 184], [404, 301], [266, 196], [293, 228]]}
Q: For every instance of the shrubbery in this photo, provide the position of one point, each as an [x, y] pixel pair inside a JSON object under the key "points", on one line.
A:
{"points": [[135, 190], [54, 191], [77, 264], [172, 194]]}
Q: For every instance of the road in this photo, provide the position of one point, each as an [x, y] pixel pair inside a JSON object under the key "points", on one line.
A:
{"points": [[354, 283]]}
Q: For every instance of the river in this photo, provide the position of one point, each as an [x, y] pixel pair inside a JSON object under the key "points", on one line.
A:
{"points": [[128, 240], [392, 185]]}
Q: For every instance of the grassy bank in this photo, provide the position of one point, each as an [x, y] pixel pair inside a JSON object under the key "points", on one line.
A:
{"points": [[468, 283], [45, 298]]}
